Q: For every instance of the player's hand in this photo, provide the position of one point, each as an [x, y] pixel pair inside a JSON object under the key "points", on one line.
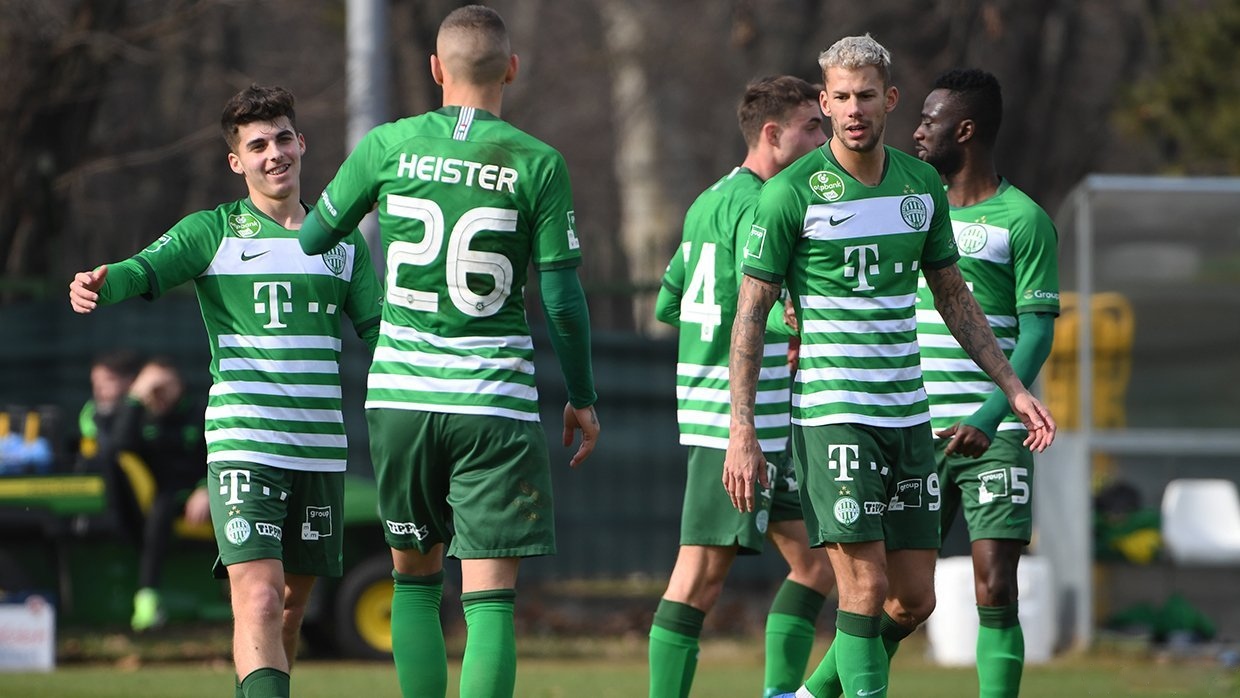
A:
{"points": [[198, 507], [743, 466], [84, 289], [585, 419], [965, 440], [790, 316], [1036, 418]]}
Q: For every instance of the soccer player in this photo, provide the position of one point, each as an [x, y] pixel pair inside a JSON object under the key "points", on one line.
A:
{"points": [[274, 428], [466, 202], [850, 228], [781, 121], [1007, 248]]}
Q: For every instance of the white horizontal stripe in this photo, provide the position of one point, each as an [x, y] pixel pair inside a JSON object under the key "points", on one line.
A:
{"points": [[775, 349], [858, 302], [485, 410], [290, 414], [461, 344], [853, 397], [950, 365], [872, 217], [471, 362], [859, 326], [461, 386], [870, 420], [272, 256], [863, 375], [291, 341], [244, 363], [960, 387], [300, 390], [932, 317], [278, 460], [721, 444], [721, 396], [720, 373], [859, 350], [953, 411], [947, 341], [271, 436], [721, 421]]}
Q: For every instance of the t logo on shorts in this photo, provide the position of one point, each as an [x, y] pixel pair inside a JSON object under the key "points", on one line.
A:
{"points": [[842, 458], [231, 484]]}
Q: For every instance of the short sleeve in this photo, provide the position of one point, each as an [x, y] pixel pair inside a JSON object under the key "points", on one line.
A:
{"points": [[1035, 262], [555, 222], [777, 221], [352, 193], [940, 250], [182, 253]]}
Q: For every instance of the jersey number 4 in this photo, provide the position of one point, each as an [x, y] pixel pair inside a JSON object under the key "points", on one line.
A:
{"points": [[461, 260], [705, 312]]}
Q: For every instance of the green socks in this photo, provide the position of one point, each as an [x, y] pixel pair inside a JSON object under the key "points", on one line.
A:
{"points": [[489, 668], [1000, 651], [825, 681], [674, 649], [147, 613], [790, 636], [417, 635], [265, 683]]}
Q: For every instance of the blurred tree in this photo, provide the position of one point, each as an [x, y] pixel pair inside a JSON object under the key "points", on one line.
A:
{"points": [[1189, 104]]}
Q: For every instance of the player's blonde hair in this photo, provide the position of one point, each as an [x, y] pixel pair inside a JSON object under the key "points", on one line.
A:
{"points": [[854, 52]]}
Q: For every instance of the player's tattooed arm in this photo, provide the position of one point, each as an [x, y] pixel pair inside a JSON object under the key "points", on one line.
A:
{"points": [[964, 317], [753, 305]]}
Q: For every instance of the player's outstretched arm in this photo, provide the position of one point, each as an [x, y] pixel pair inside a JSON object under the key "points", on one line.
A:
{"points": [[84, 289], [744, 463], [585, 420]]}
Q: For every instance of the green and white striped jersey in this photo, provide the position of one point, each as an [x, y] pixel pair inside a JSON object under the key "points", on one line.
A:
{"points": [[714, 224], [851, 255], [466, 202], [272, 314], [1008, 257]]}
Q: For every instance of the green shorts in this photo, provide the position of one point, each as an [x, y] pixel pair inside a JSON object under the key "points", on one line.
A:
{"points": [[708, 516], [996, 488], [260, 512], [864, 483], [786, 498], [479, 484]]}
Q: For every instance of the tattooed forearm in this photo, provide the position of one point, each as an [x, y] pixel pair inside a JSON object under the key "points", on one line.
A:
{"points": [[745, 360], [964, 317]]}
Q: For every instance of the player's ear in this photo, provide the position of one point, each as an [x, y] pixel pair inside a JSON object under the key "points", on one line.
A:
{"points": [[893, 98], [301, 142], [234, 163], [436, 70], [511, 74], [770, 133], [965, 130]]}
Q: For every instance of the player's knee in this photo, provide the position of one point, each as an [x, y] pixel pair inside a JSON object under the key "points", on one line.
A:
{"points": [[996, 589], [912, 610], [258, 603]]}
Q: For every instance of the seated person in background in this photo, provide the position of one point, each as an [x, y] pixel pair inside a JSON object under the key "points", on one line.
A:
{"points": [[111, 375], [161, 426]]}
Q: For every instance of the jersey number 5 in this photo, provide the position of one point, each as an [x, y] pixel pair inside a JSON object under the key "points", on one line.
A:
{"points": [[461, 260]]}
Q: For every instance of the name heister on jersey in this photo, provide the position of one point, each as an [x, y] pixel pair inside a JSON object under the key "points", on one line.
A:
{"points": [[433, 168]]}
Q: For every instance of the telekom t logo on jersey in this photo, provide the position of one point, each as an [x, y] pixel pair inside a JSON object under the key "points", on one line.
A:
{"points": [[233, 483], [865, 266], [842, 458], [272, 298]]}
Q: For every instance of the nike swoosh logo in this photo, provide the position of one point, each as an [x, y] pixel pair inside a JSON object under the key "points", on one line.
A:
{"points": [[247, 257], [836, 221], [880, 689]]}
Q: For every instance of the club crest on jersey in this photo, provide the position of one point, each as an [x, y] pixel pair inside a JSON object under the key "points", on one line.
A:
{"points": [[335, 258], [846, 510], [972, 239], [827, 185], [244, 225], [237, 531], [913, 211]]}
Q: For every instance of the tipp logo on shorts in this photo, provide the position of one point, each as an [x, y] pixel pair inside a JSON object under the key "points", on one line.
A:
{"points": [[408, 528], [318, 523]]}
